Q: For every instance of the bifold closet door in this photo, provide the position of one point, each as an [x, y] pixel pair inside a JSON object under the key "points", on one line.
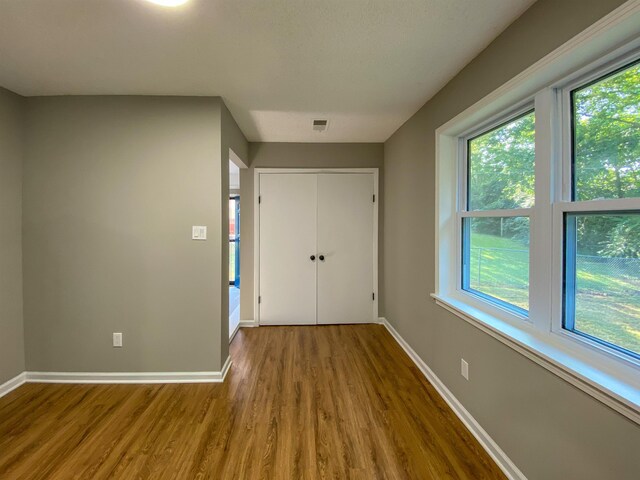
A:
{"points": [[345, 241], [288, 238]]}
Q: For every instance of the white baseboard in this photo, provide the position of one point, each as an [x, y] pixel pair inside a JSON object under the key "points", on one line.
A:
{"points": [[382, 320], [130, 377], [492, 448], [13, 383], [243, 324], [248, 324], [225, 369]]}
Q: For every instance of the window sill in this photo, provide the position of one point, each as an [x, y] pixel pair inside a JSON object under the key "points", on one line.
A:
{"points": [[549, 352]]}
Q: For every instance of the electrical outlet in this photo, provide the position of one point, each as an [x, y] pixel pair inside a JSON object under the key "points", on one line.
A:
{"points": [[464, 368], [117, 339]]}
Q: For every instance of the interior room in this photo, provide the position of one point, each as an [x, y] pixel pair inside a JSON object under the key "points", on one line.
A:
{"points": [[293, 239], [234, 243]]}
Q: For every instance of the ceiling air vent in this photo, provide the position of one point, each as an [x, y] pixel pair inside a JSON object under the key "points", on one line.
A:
{"points": [[320, 125]]}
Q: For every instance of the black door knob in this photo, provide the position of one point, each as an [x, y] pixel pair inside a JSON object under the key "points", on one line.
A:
{"points": [[313, 258], [321, 257]]}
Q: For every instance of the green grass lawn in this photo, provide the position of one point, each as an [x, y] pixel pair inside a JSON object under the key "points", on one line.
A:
{"points": [[608, 293], [500, 267]]}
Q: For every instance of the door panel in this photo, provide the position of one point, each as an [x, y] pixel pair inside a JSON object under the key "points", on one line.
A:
{"points": [[288, 238], [345, 238]]}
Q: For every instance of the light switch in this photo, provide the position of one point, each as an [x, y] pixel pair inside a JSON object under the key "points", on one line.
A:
{"points": [[464, 368], [198, 232]]}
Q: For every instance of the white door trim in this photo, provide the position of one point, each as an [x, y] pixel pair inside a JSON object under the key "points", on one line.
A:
{"points": [[256, 226]]}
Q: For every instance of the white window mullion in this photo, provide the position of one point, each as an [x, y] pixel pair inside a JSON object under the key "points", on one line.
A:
{"points": [[541, 220]]}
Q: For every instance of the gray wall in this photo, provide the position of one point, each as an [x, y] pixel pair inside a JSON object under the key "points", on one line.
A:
{"points": [[234, 139], [112, 186], [11, 152], [548, 428], [301, 155]]}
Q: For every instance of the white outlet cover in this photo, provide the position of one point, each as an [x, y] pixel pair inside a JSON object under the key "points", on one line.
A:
{"points": [[464, 368], [117, 339], [198, 232]]}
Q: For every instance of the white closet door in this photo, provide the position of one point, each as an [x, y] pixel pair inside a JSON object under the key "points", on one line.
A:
{"points": [[287, 241], [345, 239]]}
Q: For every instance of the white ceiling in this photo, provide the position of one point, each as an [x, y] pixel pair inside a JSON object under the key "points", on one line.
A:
{"points": [[366, 65]]}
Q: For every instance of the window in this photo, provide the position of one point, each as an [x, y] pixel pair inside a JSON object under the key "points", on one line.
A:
{"points": [[602, 246], [602, 278], [606, 136], [538, 216], [234, 240], [495, 224]]}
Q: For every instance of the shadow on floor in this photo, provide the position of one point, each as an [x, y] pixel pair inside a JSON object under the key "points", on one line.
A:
{"points": [[234, 308]]}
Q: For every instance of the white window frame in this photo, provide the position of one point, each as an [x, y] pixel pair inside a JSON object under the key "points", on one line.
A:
{"points": [[566, 205], [463, 212], [603, 372]]}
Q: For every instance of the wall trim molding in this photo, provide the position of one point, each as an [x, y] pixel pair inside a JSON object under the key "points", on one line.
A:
{"points": [[130, 377], [13, 383], [495, 452], [248, 324]]}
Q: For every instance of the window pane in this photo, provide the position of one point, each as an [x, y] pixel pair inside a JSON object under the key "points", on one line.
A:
{"points": [[496, 259], [606, 136], [602, 278], [232, 261], [232, 218], [501, 166], [234, 239]]}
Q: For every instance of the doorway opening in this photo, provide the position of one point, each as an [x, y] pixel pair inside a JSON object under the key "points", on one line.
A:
{"points": [[234, 248], [234, 261]]}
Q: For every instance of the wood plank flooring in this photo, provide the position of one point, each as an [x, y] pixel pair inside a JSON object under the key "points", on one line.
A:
{"points": [[339, 402]]}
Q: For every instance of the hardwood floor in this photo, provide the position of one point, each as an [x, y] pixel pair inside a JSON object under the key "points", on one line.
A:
{"points": [[299, 403]]}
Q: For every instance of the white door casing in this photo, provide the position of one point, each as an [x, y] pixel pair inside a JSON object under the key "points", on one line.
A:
{"points": [[336, 210]]}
